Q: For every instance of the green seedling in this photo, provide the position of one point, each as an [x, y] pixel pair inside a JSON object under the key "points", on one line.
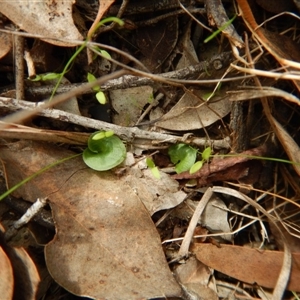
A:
{"points": [[151, 165], [206, 154], [105, 54], [105, 151], [183, 156], [215, 33], [100, 96]]}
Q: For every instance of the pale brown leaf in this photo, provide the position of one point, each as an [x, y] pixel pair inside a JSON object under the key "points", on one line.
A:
{"points": [[248, 265], [49, 19], [106, 245], [6, 277]]}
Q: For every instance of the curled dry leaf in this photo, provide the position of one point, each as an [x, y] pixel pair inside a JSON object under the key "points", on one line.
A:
{"points": [[6, 277], [51, 19], [254, 265], [26, 278], [106, 245]]}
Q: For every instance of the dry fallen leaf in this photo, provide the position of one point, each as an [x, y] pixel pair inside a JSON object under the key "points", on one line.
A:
{"points": [[49, 19], [6, 277], [106, 245], [26, 278], [5, 42], [248, 265], [129, 103], [191, 113]]}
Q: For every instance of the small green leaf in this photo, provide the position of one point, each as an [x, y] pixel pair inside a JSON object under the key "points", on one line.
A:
{"points": [[150, 163], [105, 54], [109, 133], [104, 153], [155, 172], [224, 26], [183, 156], [196, 167], [206, 153], [98, 136], [101, 97], [36, 78], [92, 78], [50, 76]]}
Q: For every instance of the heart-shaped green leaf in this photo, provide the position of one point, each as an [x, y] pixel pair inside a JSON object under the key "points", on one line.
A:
{"points": [[104, 152], [183, 156]]}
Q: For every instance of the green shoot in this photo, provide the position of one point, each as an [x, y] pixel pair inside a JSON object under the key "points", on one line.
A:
{"points": [[100, 96], [151, 165], [183, 156], [105, 151], [206, 154], [70, 61], [215, 33]]}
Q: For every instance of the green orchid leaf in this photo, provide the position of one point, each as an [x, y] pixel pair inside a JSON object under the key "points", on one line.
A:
{"points": [[150, 163], [92, 78], [196, 167], [155, 172], [183, 156], [50, 76], [206, 153], [105, 54], [104, 153], [101, 97]]}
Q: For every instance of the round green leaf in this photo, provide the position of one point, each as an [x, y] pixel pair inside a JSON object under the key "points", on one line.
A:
{"points": [[104, 153]]}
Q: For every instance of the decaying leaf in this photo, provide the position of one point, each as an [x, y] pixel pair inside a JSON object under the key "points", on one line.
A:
{"points": [[106, 245], [157, 42], [6, 277], [156, 194], [5, 42], [213, 217], [194, 276], [26, 278], [254, 265], [192, 113], [51, 19], [129, 103]]}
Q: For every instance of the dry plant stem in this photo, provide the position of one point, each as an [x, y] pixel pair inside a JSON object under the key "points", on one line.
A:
{"points": [[284, 275], [184, 248], [287, 258], [30, 213], [19, 69], [128, 81], [43, 217], [129, 134], [23, 115], [16, 131]]}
